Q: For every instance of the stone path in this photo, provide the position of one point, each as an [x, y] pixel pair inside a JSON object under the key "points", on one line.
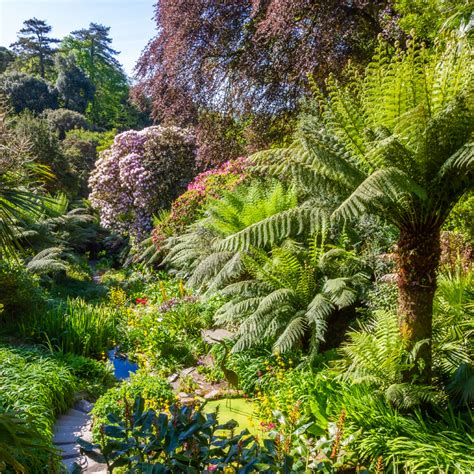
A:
{"points": [[73, 424]]}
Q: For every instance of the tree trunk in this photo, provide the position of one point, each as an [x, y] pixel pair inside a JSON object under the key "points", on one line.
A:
{"points": [[418, 259]]}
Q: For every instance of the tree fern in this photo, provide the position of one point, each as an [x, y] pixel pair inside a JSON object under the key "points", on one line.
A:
{"points": [[397, 143], [291, 298], [201, 255]]}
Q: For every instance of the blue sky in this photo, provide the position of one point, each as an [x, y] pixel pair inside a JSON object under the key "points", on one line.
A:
{"points": [[130, 21]]}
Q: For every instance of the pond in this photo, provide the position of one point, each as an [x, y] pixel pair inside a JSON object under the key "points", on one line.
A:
{"points": [[122, 366]]}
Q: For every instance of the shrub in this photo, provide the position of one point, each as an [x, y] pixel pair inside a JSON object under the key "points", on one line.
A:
{"points": [[35, 386], [185, 440], [20, 293], [189, 207], [25, 91], [46, 150], [139, 174], [63, 120], [80, 148]]}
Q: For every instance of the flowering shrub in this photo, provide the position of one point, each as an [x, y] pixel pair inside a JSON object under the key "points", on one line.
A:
{"points": [[188, 207], [139, 174]]}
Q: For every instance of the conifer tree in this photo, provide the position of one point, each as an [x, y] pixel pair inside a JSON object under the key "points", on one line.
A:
{"points": [[35, 47]]}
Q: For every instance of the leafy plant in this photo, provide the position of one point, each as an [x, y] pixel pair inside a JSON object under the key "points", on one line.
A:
{"points": [[34, 386], [292, 296], [22, 448], [155, 391], [196, 253], [74, 326], [395, 143], [186, 440]]}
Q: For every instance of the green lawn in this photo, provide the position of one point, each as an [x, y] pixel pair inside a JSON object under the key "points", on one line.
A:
{"points": [[239, 409]]}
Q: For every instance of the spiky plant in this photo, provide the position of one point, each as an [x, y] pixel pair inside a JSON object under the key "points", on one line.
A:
{"points": [[396, 143], [196, 253], [291, 295], [18, 178]]}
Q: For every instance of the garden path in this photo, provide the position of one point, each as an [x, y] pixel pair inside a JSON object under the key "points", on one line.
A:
{"points": [[76, 423]]}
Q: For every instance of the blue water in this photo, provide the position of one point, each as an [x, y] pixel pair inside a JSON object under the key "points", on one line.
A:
{"points": [[122, 367]]}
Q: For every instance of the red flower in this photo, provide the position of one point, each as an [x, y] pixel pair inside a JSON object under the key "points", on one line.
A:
{"points": [[143, 301]]}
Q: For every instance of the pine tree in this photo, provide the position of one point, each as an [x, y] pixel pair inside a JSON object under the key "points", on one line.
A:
{"points": [[35, 45]]}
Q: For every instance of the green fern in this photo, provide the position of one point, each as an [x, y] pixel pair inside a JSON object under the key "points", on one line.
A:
{"points": [[291, 296], [203, 256]]}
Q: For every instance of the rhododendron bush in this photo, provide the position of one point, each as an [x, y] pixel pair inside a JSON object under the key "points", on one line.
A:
{"points": [[189, 206], [142, 172]]}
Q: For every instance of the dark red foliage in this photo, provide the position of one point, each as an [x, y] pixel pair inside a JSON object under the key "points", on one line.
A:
{"points": [[250, 56]]}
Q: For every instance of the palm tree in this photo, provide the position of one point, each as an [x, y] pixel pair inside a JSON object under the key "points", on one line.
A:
{"points": [[397, 143]]}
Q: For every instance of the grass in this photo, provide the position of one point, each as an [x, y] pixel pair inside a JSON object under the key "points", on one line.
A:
{"points": [[74, 326]]}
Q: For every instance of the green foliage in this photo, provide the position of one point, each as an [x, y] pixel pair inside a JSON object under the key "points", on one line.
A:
{"points": [[395, 142], [461, 218], [6, 58], [80, 148], [453, 332], [21, 447], [93, 54], [44, 146], [63, 120], [198, 252], [34, 47], [377, 355], [74, 326], [292, 295], [186, 441], [34, 386], [94, 377], [19, 180], [26, 92], [155, 390], [20, 293], [74, 87], [427, 18], [410, 443]]}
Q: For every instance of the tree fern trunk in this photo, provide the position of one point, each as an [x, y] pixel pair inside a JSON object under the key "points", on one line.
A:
{"points": [[418, 259]]}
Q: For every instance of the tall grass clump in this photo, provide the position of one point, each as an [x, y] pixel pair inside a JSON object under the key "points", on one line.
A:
{"points": [[34, 386], [74, 326]]}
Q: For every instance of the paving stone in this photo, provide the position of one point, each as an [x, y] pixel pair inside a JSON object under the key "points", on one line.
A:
{"points": [[69, 451], [77, 413], [84, 406], [187, 372]]}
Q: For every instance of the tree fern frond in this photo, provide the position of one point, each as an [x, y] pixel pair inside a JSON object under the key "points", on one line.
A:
{"points": [[274, 229], [293, 333]]}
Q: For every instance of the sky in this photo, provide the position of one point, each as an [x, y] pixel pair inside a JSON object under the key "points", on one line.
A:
{"points": [[130, 21]]}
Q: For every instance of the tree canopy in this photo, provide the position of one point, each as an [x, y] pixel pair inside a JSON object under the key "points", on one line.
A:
{"points": [[35, 47], [94, 55]]}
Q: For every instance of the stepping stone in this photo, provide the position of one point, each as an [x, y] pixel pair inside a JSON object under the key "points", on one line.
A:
{"points": [[213, 336], [66, 437], [78, 413], [69, 451], [187, 372]]}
